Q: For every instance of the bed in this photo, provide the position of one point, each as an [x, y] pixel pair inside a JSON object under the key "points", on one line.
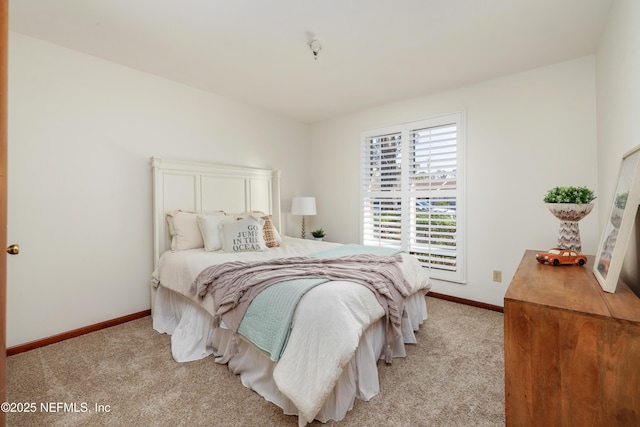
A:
{"points": [[313, 372]]}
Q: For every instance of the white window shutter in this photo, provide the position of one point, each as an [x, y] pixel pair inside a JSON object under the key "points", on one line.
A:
{"points": [[412, 187]]}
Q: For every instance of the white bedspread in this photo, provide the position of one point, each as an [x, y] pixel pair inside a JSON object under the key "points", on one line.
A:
{"points": [[346, 309], [315, 355], [177, 270]]}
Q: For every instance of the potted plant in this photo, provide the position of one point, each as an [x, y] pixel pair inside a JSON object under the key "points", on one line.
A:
{"points": [[569, 205], [318, 234], [574, 195]]}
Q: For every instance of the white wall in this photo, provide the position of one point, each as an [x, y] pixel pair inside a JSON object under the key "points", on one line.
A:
{"points": [[526, 133], [81, 132], [618, 95]]}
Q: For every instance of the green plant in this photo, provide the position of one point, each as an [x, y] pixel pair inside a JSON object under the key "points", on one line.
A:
{"points": [[621, 200], [318, 233], [577, 195]]}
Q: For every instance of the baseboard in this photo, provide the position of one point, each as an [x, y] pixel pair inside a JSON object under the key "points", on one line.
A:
{"points": [[113, 322], [466, 302], [75, 333]]}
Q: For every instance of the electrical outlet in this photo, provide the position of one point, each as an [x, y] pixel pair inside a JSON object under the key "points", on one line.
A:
{"points": [[497, 276]]}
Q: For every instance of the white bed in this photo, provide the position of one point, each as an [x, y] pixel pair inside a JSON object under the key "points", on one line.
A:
{"points": [[293, 382]]}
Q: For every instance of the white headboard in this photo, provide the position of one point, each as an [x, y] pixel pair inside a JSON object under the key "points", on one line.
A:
{"points": [[208, 187]]}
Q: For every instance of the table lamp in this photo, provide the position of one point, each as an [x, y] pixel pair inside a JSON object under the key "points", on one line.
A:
{"points": [[303, 206]]}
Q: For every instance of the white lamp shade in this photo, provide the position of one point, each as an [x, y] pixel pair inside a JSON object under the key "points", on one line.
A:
{"points": [[303, 206]]}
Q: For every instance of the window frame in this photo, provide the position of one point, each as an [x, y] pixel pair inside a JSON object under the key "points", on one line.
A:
{"points": [[405, 194]]}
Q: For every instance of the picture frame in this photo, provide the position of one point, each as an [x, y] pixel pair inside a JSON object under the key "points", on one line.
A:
{"points": [[617, 233]]}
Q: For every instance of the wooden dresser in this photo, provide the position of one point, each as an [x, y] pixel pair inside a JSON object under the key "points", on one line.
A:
{"points": [[571, 350]]}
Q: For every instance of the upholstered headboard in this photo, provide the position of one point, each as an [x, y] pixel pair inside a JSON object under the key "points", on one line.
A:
{"points": [[197, 186]]}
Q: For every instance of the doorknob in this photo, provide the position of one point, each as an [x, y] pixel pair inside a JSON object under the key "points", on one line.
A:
{"points": [[13, 249]]}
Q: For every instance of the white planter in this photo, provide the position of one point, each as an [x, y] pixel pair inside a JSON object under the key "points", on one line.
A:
{"points": [[569, 214]]}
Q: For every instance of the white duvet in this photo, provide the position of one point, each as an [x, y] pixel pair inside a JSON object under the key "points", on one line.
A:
{"points": [[327, 324]]}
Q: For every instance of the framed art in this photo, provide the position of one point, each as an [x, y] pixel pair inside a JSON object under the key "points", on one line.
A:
{"points": [[617, 232]]}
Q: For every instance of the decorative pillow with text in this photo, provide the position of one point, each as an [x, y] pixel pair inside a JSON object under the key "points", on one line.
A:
{"points": [[245, 235], [271, 236]]}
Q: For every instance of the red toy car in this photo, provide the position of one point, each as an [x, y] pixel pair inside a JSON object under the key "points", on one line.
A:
{"points": [[558, 256]]}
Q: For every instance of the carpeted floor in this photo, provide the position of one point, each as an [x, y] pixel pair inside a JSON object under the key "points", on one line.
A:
{"points": [[125, 375]]}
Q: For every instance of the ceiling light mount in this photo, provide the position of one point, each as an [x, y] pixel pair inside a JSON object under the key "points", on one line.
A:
{"points": [[315, 47]]}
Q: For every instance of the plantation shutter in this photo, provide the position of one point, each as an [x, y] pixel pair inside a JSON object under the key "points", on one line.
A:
{"points": [[382, 185], [432, 174], [411, 192]]}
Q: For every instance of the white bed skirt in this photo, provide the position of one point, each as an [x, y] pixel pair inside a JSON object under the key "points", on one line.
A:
{"points": [[193, 338]]}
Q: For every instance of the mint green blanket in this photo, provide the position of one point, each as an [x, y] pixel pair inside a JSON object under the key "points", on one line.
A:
{"points": [[267, 322]]}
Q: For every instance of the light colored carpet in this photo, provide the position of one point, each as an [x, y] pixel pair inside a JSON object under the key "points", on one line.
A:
{"points": [[454, 376]]}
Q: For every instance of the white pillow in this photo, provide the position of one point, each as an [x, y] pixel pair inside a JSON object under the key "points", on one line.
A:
{"points": [[208, 225], [245, 235], [184, 230]]}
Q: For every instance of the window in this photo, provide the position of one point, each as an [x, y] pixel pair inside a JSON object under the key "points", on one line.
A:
{"points": [[412, 192]]}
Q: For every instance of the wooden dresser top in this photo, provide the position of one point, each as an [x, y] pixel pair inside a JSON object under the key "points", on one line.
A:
{"points": [[570, 287]]}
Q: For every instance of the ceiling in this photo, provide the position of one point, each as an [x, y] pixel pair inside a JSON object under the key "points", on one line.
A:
{"points": [[373, 51]]}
